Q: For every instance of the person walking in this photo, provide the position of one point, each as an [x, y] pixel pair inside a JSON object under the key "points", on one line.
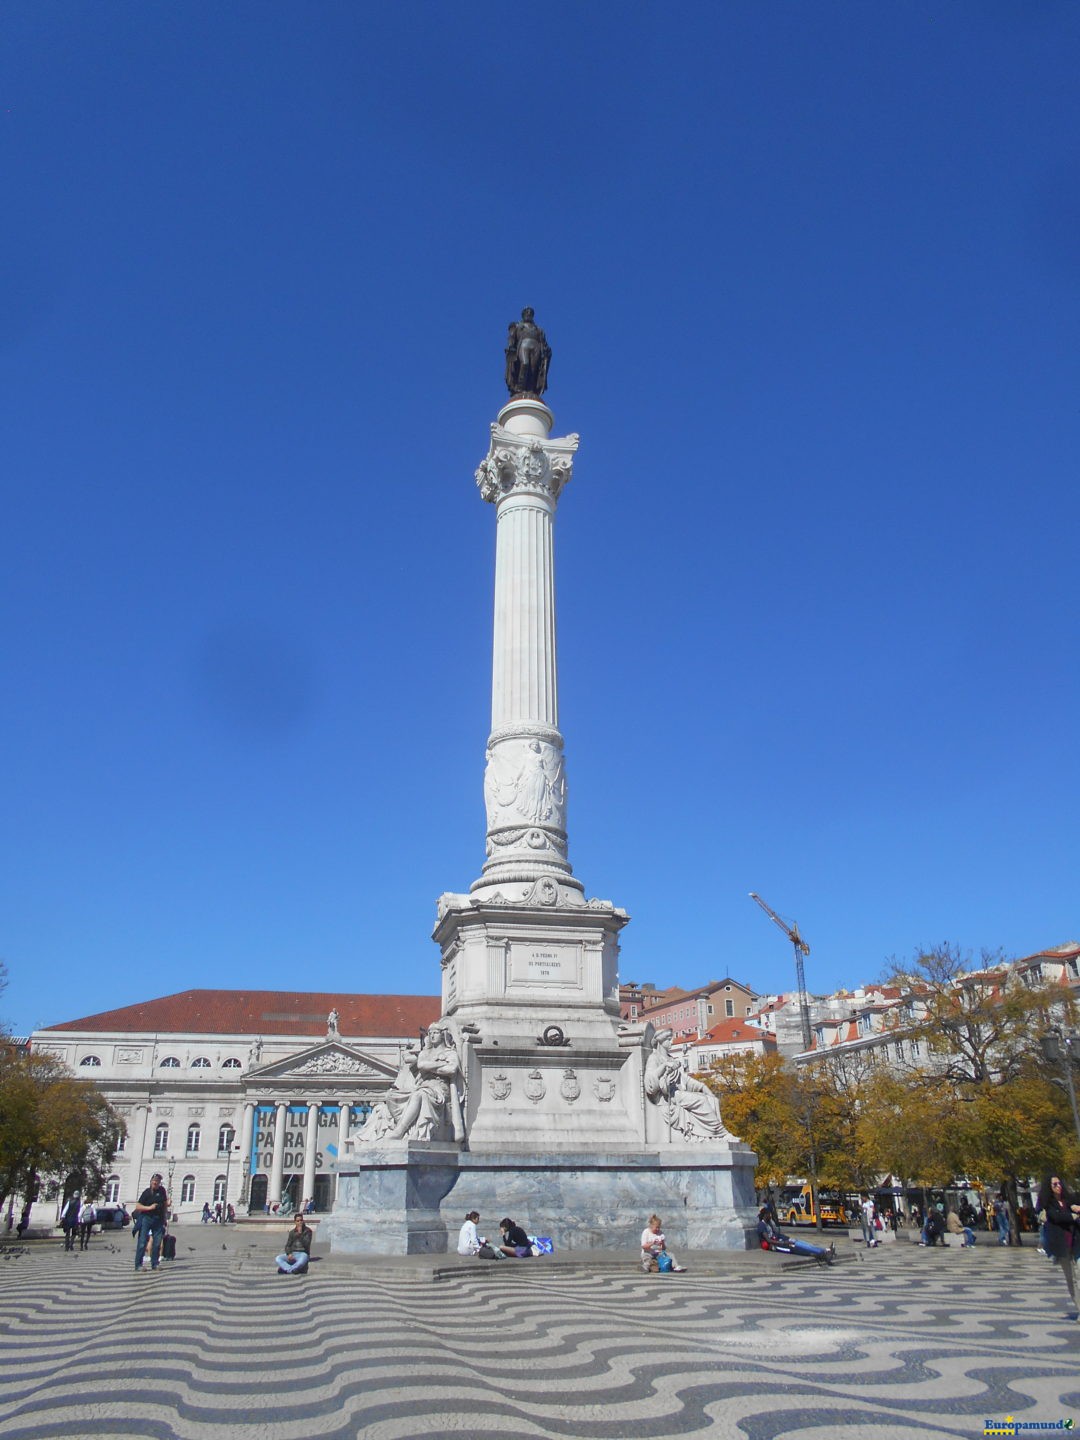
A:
{"points": [[87, 1218], [69, 1220], [1062, 1230], [1001, 1218], [866, 1219], [148, 1215]]}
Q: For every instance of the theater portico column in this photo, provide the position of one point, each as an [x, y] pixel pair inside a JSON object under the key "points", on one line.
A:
{"points": [[247, 1126], [344, 1126], [311, 1150], [277, 1167]]}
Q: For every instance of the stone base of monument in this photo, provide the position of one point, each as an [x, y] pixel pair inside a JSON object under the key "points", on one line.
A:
{"points": [[410, 1198]]}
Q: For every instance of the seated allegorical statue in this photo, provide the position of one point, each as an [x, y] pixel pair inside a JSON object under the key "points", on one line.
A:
{"points": [[423, 1103], [385, 1117], [688, 1105]]}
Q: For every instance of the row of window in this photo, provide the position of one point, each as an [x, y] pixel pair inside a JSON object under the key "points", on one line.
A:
{"points": [[170, 1062], [226, 1139], [187, 1190]]}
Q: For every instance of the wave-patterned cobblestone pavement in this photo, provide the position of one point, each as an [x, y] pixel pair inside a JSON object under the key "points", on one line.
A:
{"points": [[898, 1343]]}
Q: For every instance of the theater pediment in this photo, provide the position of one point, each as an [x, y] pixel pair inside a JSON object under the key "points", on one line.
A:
{"points": [[329, 1061]]}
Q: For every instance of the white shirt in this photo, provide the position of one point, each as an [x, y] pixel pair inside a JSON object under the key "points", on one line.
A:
{"points": [[868, 1211], [468, 1241], [651, 1240]]}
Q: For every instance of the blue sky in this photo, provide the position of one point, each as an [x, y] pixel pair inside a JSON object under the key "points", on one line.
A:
{"points": [[811, 275]]}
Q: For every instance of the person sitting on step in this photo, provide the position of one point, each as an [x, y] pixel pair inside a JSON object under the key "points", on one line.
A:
{"points": [[294, 1260], [515, 1242]]}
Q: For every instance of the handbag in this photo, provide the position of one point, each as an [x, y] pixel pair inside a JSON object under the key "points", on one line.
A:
{"points": [[664, 1263]]}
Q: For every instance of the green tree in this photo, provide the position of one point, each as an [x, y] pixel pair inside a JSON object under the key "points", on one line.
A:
{"points": [[51, 1124], [758, 1103], [907, 1127], [799, 1120], [980, 1028], [1018, 1128]]}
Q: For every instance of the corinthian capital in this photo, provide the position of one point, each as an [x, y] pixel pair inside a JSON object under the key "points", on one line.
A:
{"points": [[525, 464]]}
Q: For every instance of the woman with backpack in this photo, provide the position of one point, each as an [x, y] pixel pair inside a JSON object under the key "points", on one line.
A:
{"points": [[87, 1217]]}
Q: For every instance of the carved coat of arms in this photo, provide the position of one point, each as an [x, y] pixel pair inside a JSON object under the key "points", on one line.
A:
{"points": [[570, 1088], [604, 1086], [535, 1089], [499, 1086]]}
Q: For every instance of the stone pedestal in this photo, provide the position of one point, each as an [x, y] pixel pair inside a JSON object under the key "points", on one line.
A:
{"points": [[412, 1199]]}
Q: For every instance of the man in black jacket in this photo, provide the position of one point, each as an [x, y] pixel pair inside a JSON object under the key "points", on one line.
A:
{"points": [[148, 1216], [297, 1252]]}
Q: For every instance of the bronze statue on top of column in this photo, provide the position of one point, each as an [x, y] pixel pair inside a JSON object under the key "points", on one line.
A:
{"points": [[528, 355]]}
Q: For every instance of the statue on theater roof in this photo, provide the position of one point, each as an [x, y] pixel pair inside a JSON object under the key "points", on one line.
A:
{"points": [[528, 356]]}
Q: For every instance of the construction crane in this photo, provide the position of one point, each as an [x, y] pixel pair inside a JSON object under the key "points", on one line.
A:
{"points": [[801, 949]]}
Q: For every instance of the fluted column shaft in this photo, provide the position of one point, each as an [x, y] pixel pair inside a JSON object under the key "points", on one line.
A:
{"points": [[525, 778], [277, 1166], [524, 684], [247, 1125], [311, 1150]]}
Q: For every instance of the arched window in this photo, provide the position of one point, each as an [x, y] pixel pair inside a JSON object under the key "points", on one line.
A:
{"points": [[219, 1189], [91, 1060], [187, 1190], [231, 1064], [161, 1139], [200, 1063], [226, 1139], [193, 1134], [169, 1063], [121, 1143], [112, 1190]]}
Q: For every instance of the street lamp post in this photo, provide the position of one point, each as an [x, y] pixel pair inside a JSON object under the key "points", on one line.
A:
{"points": [[1065, 1051], [171, 1167], [228, 1165]]}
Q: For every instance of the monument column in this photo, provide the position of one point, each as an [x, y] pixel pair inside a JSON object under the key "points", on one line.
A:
{"points": [[524, 778], [523, 952], [277, 1166], [344, 1121], [311, 1148], [529, 1086]]}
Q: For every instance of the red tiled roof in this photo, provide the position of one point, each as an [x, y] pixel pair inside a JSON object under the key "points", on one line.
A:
{"points": [[1069, 951], [266, 1012], [735, 1031]]}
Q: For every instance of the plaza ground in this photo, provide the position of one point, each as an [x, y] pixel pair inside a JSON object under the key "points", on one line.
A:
{"points": [[895, 1342]]}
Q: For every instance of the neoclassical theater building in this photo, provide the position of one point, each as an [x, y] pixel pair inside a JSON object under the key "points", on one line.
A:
{"points": [[239, 1096]]}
